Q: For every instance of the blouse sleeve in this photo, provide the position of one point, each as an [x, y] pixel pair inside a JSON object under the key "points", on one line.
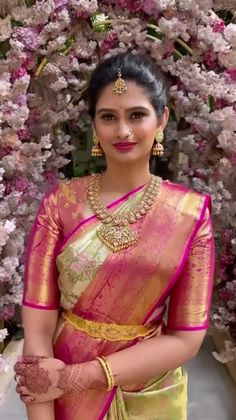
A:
{"points": [[190, 298], [40, 280]]}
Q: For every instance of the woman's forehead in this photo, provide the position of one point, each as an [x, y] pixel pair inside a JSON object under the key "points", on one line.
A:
{"points": [[135, 96]]}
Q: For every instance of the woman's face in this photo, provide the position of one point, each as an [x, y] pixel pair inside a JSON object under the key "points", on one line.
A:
{"points": [[118, 116]]}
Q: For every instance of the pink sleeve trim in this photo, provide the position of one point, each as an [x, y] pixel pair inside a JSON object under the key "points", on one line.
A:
{"points": [[166, 291], [32, 305], [199, 328]]}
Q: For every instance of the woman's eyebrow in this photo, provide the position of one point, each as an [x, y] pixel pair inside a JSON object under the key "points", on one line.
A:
{"points": [[135, 108]]}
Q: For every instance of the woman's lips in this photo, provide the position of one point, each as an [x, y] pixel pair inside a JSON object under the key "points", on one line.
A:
{"points": [[124, 146]]}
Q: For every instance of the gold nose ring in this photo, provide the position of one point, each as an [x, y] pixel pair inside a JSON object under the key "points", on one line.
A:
{"points": [[130, 134]]}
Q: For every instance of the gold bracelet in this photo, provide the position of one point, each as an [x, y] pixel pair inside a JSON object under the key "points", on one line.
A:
{"points": [[108, 373]]}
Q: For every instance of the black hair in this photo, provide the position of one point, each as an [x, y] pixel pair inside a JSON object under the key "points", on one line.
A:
{"points": [[139, 68]]}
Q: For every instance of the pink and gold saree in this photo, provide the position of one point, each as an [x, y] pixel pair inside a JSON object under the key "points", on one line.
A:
{"points": [[109, 301]]}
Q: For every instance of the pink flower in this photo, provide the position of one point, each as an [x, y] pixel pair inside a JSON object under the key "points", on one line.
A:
{"points": [[218, 25], [21, 184], [210, 58], [7, 312], [28, 63], [132, 6], [28, 37], [51, 177], [232, 158], [109, 42], [180, 85], [23, 134], [21, 100], [220, 103], [150, 8], [4, 152], [201, 145], [224, 294], [230, 75], [227, 236], [60, 3], [226, 259], [18, 73], [200, 173]]}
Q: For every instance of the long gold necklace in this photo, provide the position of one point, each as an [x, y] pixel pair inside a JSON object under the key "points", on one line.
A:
{"points": [[116, 232]]}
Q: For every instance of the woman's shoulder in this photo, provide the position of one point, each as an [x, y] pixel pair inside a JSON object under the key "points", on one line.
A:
{"points": [[69, 190], [73, 189], [189, 200], [182, 189]]}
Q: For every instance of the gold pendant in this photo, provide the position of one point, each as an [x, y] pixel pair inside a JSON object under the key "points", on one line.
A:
{"points": [[118, 237]]}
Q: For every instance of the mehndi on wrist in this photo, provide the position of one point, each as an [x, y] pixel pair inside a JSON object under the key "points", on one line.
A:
{"points": [[79, 377], [108, 372]]}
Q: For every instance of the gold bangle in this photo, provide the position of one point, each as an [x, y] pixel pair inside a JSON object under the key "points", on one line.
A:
{"points": [[108, 373]]}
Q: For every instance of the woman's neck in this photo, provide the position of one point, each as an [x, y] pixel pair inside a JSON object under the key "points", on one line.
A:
{"points": [[122, 179]]}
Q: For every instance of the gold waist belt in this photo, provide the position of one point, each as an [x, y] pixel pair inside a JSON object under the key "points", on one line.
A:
{"points": [[111, 332]]}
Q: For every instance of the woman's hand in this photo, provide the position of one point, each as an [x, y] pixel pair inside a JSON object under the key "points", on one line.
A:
{"points": [[38, 378], [42, 379]]}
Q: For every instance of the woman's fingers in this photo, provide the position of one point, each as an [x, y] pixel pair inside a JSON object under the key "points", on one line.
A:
{"points": [[21, 368], [21, 389], [27, 399]]}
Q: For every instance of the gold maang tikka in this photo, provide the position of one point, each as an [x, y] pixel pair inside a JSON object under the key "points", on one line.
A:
{"points": [[120, 85]]}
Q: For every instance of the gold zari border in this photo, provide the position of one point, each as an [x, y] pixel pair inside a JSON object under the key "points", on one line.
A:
{"points": [[111, 332]]}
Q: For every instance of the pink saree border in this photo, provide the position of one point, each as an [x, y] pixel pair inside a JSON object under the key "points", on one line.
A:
{"points": [[83, 222], [162, 298], [108, 403]]}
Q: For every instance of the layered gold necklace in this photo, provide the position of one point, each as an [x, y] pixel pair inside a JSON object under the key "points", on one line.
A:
{"points": [[116, 232]]}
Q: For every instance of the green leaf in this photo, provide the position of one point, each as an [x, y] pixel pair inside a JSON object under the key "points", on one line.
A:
{"points": [[101, 23], [16, 23], [4, 48]]}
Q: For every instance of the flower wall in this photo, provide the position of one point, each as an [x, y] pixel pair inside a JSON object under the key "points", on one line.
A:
{"points": [[48, 49]]}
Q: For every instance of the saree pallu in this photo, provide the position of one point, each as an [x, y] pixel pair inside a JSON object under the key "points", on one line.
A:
{"points": [[69, 268]]}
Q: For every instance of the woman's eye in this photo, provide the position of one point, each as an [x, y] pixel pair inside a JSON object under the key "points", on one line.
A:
{"points": [[137, 115], [107, 117]]}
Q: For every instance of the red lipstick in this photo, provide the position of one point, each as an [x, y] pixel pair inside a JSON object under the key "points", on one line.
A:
{"points": [[124, 146]]}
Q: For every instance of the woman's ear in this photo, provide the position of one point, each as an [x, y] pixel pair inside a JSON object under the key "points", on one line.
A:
{"points": [[164, 119]]}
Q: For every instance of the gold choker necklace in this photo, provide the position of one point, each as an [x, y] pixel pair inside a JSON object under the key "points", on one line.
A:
{"points": [[116, 232]]}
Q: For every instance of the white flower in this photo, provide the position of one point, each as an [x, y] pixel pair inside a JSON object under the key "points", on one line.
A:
{"points": [[10, 226], [5, 28], [5, 84], [230, 34], [3, 334]]}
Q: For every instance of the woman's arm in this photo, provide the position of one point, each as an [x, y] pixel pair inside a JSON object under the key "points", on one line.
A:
{"points": [[39, 328], [154, 357]]}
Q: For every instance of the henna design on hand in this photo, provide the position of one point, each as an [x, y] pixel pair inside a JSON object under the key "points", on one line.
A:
{"points": [[80, 377], [36, 378]]}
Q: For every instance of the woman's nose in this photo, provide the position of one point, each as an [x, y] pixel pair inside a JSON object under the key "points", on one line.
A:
{"points": [[123, 131]]}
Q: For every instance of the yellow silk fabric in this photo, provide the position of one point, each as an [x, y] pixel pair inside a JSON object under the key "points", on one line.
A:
{"points": [[164, 399]]}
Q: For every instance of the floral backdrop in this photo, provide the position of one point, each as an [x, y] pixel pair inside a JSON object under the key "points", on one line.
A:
{"points": [[48, 49]]}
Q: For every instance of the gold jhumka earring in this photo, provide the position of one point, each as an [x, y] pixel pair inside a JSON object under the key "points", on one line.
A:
{"points": [[158, 149], [96, 150], [120, 86]]}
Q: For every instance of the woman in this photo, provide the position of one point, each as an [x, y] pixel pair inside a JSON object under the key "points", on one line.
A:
{"points": [[106, 253]]}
